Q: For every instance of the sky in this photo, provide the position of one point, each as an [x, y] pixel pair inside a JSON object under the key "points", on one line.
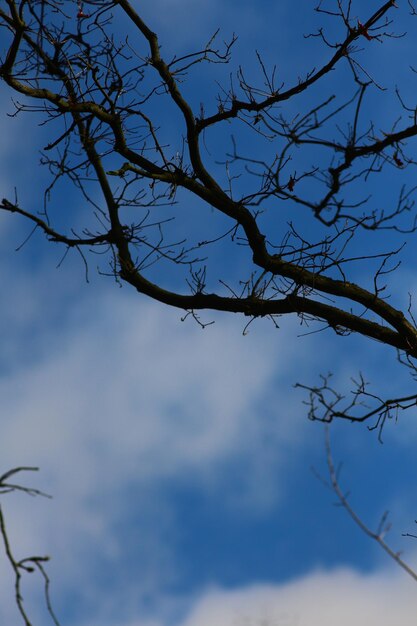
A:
{"points": [[181, 462]]}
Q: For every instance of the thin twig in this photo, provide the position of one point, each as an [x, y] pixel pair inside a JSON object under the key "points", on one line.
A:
{"points": [[344, 502]]}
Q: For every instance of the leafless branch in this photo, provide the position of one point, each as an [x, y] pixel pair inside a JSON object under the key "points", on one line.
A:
{"points": [[343, 500], [27, 565]]}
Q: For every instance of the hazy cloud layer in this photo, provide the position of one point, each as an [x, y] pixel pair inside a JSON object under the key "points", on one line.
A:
{"points": [[324, 598], [117, 399]]}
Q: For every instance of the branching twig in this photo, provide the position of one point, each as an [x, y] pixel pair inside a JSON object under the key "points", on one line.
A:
{"points": [[27, 564], [343, 501]]}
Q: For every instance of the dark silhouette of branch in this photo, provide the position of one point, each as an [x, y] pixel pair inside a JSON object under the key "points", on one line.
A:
{"points": [[72, 69], [285, 223], [343, 501], [27, 565], [325, 404]]}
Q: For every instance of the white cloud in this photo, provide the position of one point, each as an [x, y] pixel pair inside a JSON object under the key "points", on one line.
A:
{"points": [[118, 399], [324, 598], [134, 386]]}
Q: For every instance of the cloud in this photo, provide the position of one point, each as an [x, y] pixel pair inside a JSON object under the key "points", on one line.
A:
{"points": [[112, 397], [322, 598], [132, 384], [185, 24]]}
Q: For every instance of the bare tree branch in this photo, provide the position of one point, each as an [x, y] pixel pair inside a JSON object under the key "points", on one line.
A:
{"points": [[343, 501], [27, 565]]}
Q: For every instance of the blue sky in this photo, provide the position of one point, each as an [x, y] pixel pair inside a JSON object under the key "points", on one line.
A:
{"points": [[180, 458]]}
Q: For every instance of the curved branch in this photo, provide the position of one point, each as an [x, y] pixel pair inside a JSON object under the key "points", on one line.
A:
{"points": [[237, 105], [384, 526]]}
